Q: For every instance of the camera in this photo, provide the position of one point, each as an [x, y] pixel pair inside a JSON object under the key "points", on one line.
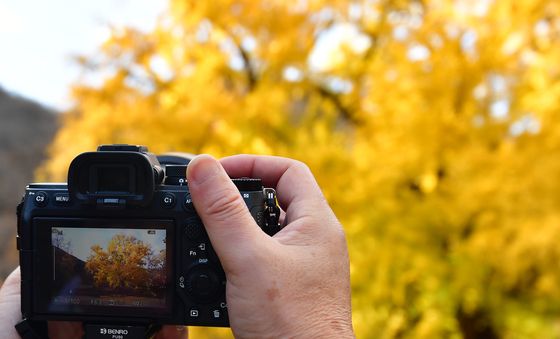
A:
{"points": [[120, 247]]}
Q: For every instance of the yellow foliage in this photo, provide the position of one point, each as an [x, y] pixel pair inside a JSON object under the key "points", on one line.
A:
{"points": [[430, 125], [127, 263]]}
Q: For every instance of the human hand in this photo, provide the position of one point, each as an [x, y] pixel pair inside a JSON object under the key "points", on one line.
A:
{"points": [[10, 312], [295, 284], [10, 315]]}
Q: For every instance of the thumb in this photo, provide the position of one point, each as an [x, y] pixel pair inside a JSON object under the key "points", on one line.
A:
{"points": [[230, 227]]}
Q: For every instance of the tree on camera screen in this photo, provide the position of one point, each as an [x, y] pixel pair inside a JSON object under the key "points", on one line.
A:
{"points": [[109, 267]]}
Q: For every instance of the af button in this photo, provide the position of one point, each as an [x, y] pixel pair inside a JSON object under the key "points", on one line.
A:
{"points": [[187, 203]]}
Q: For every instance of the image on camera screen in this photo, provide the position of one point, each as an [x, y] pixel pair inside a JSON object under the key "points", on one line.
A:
{"points": [[109, 267]]}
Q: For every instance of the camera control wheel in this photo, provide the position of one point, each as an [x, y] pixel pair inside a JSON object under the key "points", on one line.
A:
{"points": [[202, 283]]}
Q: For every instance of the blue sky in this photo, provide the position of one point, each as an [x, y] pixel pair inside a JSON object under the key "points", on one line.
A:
{"points": [[82, 239], [38, 39]]}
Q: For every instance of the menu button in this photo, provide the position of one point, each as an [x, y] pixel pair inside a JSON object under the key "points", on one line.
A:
{"points": [[62, 198]]}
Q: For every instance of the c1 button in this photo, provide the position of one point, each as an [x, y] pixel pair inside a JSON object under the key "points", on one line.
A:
{"points": [[168, 200], [41, 199]]}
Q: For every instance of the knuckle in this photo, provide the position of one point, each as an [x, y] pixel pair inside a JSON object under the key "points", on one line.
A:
{"points": [[339, 234], [301, 166], [337, 243], [301, 169]]}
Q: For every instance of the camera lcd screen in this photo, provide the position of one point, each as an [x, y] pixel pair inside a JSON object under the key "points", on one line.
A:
{"points": [[113, 179], [99, 268]]}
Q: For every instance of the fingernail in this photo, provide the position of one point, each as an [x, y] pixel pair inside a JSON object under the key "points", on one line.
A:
{"points": [[202, 168]]}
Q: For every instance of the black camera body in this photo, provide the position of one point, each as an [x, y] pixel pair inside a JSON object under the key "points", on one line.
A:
{"points": [[121, 245]]}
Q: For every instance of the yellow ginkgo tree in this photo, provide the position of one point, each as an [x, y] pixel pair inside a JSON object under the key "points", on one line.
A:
{"points": [[432, 127]]}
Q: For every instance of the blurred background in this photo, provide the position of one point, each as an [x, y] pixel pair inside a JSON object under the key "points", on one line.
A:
{"points": [[430, 125]]}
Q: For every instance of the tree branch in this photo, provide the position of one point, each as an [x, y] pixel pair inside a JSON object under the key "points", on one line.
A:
{"points": [[335, 99]]}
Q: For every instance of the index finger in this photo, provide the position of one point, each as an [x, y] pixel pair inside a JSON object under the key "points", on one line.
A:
{"points": [[297, 189]]}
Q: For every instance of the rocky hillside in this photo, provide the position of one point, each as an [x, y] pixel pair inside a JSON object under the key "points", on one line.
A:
{"points": [[26, 128]]}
